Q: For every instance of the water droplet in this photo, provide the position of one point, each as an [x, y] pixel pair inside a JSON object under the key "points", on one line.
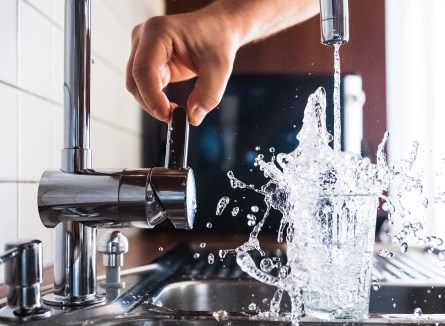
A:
{"points": [[202, 245], [266, 265], [388, 207], [196, 255], [223, 202], [417, 312], [251, 223], [209, 225], [375, 285], [210, 258], [272, 149], [220, 315], [251, 217], [254, 209], [284, 272], [257, 148], [235, 211], [386, 253], [222, 253], [394, 305], [404, 247], [161, 249], [252, 307]]}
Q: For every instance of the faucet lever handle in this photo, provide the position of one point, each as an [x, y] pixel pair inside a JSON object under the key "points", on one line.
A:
{"points": [[177, 140]]}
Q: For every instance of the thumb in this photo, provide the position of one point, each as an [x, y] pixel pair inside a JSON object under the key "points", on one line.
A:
{"points": [[208, 91]]}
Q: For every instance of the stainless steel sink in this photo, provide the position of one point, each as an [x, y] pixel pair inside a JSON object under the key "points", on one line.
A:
{"points": [[236, 296], [181, 290], [215, 295], [407, 281]]}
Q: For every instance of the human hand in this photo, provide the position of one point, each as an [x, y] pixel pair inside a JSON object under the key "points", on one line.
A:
{"points": [[202, 43], [174, 48]]}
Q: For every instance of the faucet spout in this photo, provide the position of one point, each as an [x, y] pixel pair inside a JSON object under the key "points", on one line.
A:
{"points": [[334, 21]]}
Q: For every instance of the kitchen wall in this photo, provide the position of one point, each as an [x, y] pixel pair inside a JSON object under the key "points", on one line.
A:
{"points": [[31, 113]]}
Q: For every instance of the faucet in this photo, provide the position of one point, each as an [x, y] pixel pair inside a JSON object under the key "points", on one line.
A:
{"points": [[76, 200], [334, 21]]}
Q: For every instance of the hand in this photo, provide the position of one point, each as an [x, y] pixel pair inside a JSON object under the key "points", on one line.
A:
{"points": [[179, 47], [202, 43]]}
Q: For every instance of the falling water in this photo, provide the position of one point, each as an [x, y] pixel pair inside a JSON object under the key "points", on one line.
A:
{"points": [[337, 113]]}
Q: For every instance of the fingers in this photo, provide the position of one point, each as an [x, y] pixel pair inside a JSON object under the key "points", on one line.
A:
{"points": [[147, 72], [130, 83], [208, 90]]}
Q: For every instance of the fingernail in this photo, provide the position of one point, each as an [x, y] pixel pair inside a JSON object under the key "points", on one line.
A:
{"points": [[199, 115]]}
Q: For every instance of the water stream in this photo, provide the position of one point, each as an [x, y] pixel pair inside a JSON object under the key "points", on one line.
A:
{"points": [[337, 113]]}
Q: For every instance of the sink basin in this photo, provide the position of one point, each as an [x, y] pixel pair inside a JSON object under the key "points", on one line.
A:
{"points": [[214, 295], [407, 281], [236, 296], [181, 290]]}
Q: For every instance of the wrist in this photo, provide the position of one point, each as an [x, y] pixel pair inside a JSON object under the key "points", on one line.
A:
{"points": [[233, 19]]}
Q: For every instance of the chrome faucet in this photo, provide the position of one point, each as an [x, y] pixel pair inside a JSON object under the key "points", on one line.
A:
{"points": [[77, 199], [334, 21]]}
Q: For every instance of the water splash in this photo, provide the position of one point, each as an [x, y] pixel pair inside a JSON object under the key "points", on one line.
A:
{"points": [[328, 199]]}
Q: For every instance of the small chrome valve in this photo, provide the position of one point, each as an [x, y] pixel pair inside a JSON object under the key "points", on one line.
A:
{"points": [[113, 245]]}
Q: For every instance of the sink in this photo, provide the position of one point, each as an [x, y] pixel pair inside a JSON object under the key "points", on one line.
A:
{"points": [[214, 295], [407, 281], [179, 289], [237, 295]]}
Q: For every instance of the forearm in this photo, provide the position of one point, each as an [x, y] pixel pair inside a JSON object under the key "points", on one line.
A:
{"points": [[256, 19]]}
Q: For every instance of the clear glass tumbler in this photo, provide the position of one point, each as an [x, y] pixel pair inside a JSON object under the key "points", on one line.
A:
{"points": [[337, 257]]}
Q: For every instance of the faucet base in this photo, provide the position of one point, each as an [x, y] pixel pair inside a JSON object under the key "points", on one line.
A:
{"points": [[60, 301], [9, 315]]}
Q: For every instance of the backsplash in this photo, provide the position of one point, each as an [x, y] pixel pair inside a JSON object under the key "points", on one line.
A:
{"points": [[31, 97]]}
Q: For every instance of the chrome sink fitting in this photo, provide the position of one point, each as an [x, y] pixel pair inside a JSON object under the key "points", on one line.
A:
{"points": [[334, 21], [77, 199], [23, 276]]}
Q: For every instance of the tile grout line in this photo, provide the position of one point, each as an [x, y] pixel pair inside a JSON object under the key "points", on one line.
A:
{"points": [[117, 127], [60, 105], [43, 98], [43, 14], [19, 181]]}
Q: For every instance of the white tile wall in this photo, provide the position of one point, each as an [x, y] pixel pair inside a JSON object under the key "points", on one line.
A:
{"points": [[8, 41], [34, 51], [8, 215], [31, 97], [8, 133]]}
